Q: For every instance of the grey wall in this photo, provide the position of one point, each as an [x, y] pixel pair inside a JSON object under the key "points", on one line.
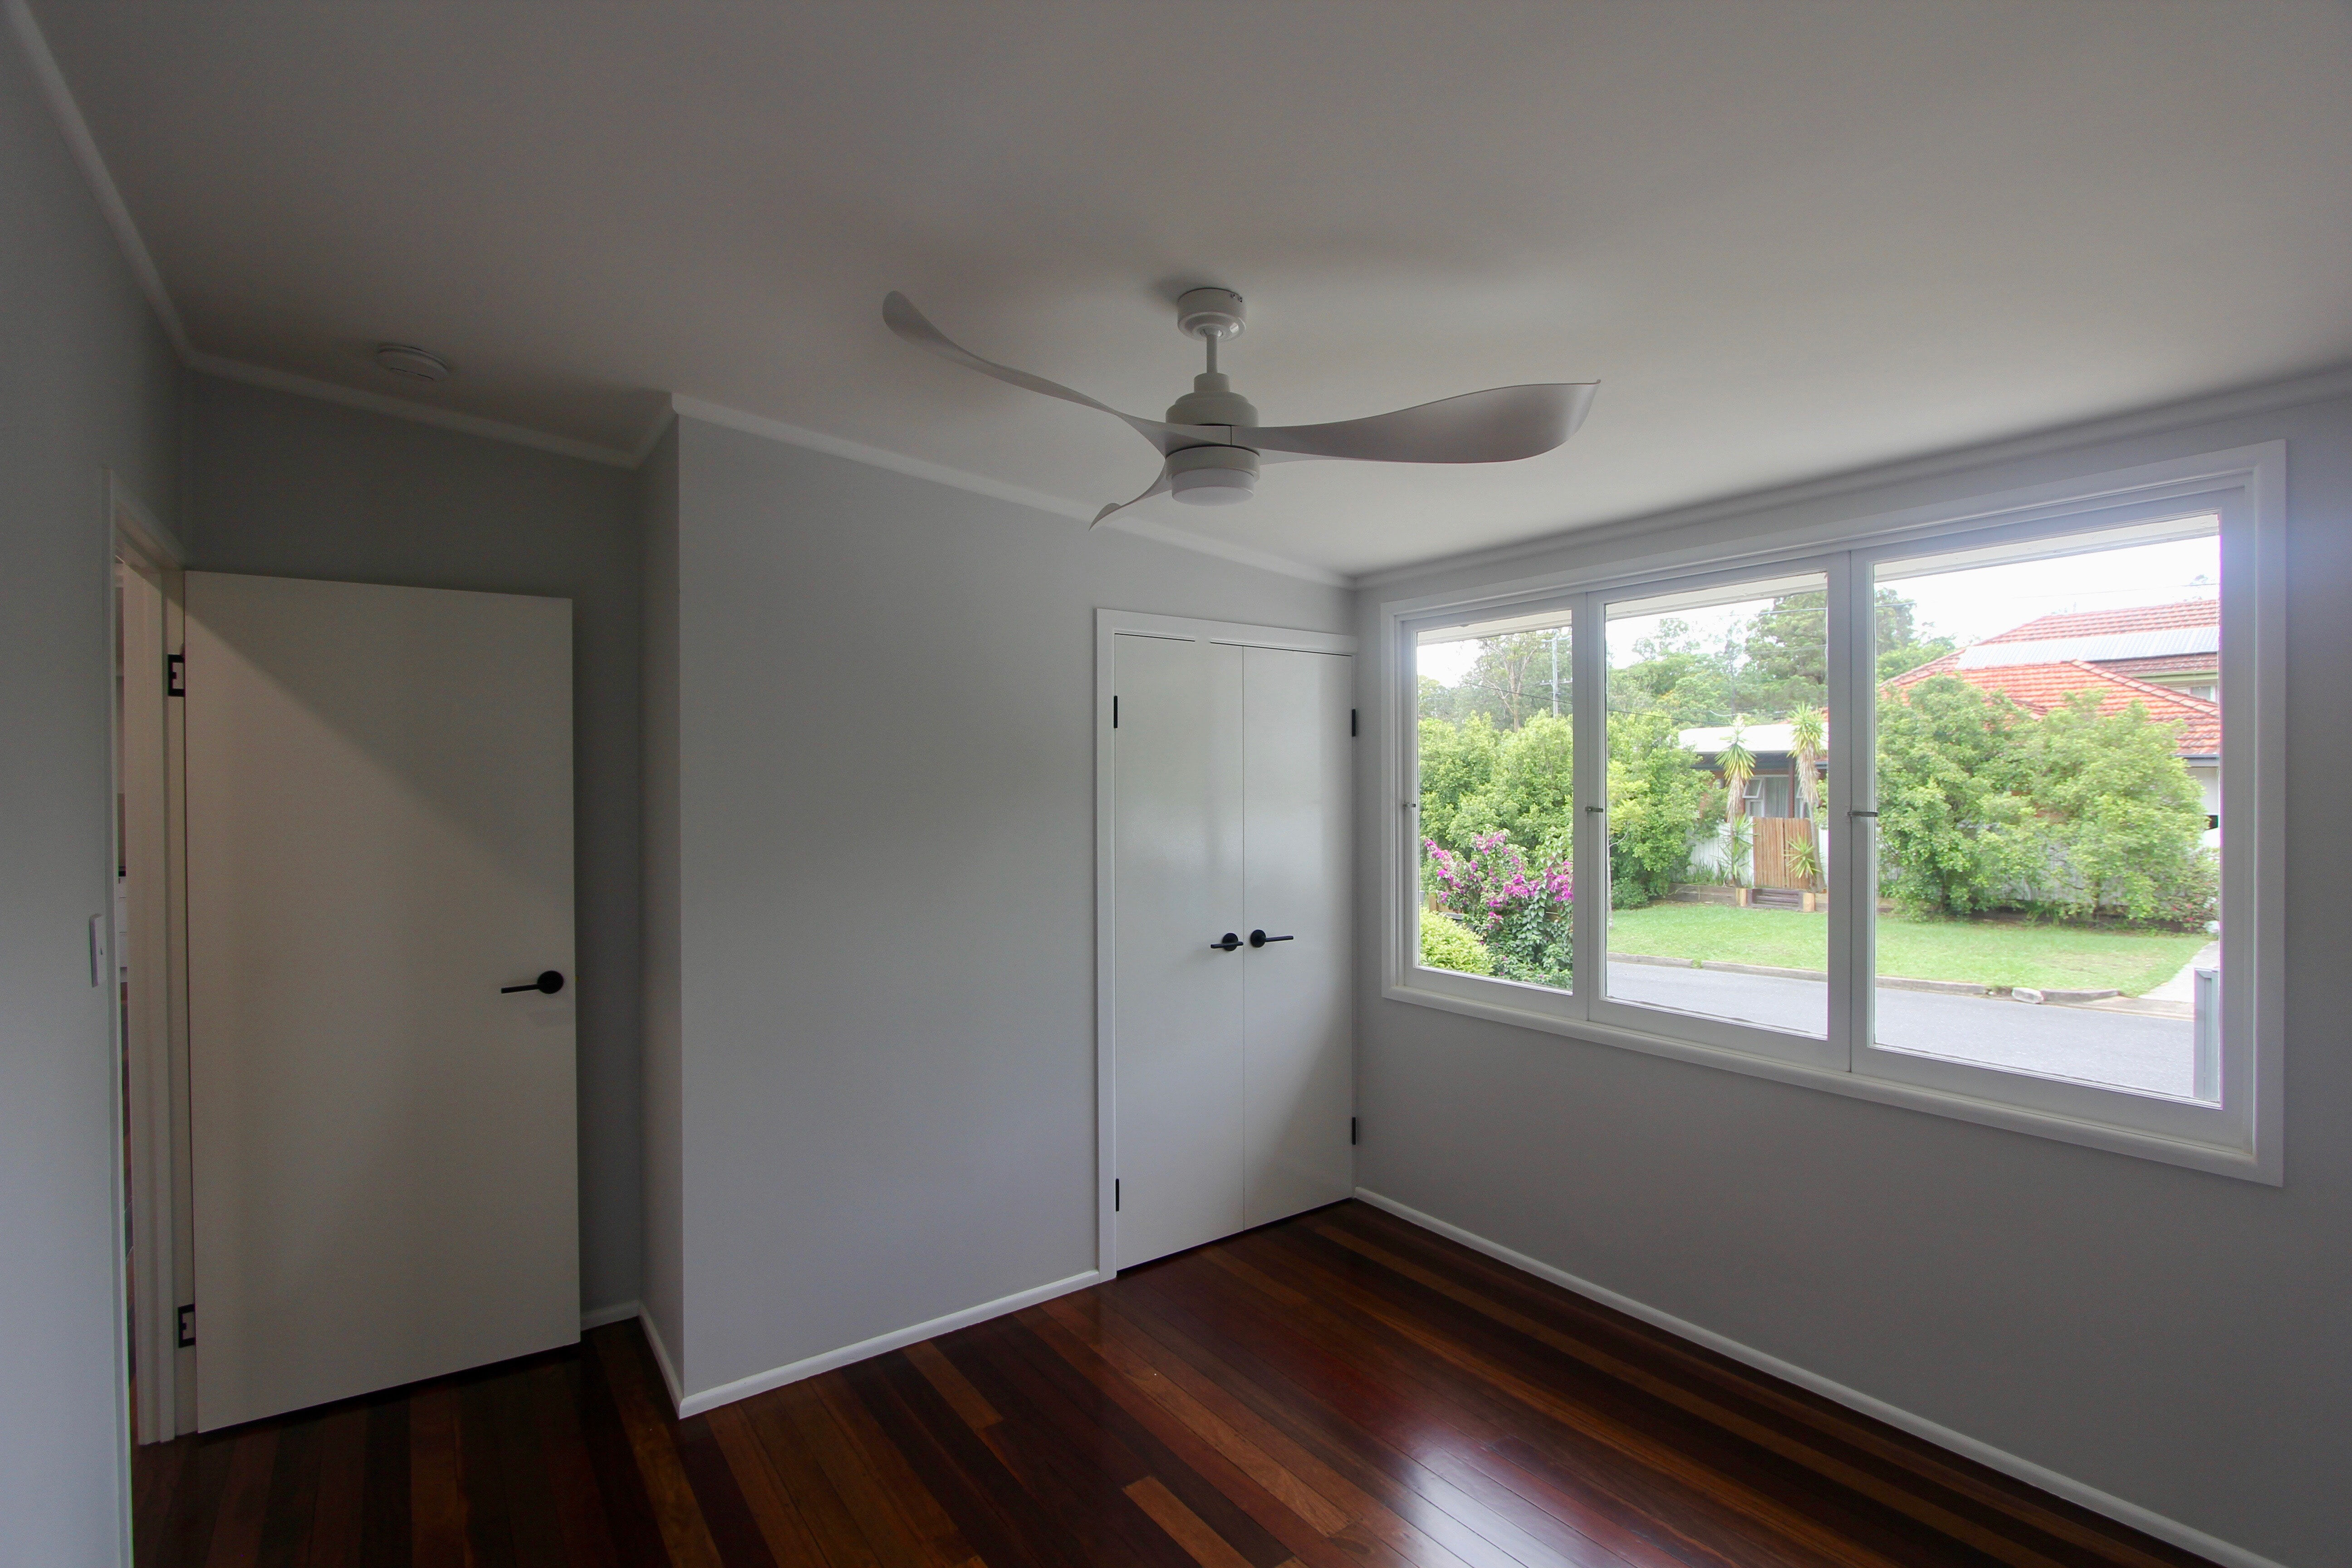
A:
{"points": [[87, 383], [886, 797], [2175, 1339], [291, 487], [665, 1214]]}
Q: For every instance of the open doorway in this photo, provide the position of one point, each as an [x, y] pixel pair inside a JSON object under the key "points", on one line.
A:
{"points": [[147, 920]]}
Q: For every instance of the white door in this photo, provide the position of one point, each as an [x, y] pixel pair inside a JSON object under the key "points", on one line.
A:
{"points": [[379, 804], [1178, 831], [1296, 721], [1232, 1061]]}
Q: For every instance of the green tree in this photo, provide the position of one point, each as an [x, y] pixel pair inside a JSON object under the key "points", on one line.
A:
{"points": [[1787, 648], [2074, 813], [1660, 799], [1955, 825], [2122, 814], [1457, 766], [1517, 677], [1736, 764], [1675, 673]]}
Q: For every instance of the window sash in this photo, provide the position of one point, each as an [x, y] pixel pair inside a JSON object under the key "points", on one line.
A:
{"points": [[1848, 1061]]}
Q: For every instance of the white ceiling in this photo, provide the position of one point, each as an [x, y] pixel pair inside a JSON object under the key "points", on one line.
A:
{"points": [[1788, 238]]}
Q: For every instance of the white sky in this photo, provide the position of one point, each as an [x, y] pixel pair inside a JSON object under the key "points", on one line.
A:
{"points": [[1968, 606]]}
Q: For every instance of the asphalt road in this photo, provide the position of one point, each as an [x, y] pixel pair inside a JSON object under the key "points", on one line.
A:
{"points": [[2156, 1055]]}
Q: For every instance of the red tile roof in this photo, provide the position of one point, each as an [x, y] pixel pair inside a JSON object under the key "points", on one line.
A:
{"points": [[2043, 687], [2114, 623], [2163, 664]]}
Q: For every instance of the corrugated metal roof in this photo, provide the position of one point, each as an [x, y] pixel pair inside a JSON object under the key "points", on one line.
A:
{"points": [[2115, 645]]}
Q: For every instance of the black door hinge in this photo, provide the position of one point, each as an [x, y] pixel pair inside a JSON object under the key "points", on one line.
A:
{"points": [[1351, 723], [1114, 711], [187, 1337], [175, 675], [1114, 1194], [1351, 1131]]}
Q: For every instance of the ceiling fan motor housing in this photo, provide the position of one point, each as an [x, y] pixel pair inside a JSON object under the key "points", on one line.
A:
{"points": [[1213, 476]]}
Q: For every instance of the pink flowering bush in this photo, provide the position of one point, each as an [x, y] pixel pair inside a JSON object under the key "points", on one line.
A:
{"points": [[1521, 913]]}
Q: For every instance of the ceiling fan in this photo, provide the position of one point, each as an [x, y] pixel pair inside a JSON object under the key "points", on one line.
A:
{"points": [[1211, 443]]}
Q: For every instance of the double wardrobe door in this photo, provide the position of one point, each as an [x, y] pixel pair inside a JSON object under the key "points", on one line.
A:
{"points": [[1231, 1027]]}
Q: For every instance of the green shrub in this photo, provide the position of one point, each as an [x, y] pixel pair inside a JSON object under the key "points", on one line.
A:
{"points": [[1444, 944]]}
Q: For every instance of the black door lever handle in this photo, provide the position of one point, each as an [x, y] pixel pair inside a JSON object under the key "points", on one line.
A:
{"points": [[549, 982], [1259, 939], [1227, 944]]}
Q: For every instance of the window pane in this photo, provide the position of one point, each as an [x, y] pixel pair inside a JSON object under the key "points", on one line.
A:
{"points": [[2049, 789], [1718, 762], [1497, 814]]}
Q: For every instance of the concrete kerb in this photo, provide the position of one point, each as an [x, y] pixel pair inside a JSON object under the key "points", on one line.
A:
{"points": [[1886, 982]]}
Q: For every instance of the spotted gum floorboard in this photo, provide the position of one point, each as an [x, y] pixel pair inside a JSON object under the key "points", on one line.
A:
{"points": [[1337, 1390]]}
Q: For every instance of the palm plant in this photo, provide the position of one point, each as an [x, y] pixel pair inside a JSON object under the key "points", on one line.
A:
{"points": [[1737, 765], [1808, 741], [1802, 860]]}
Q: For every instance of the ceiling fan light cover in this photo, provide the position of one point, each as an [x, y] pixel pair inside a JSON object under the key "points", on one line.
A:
{"points": [[1213, 476]]}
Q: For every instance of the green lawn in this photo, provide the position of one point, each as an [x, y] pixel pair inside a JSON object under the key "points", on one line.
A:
{"points": [[1989, 952]]}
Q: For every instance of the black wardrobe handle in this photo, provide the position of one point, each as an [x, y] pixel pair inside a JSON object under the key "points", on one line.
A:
{"points": [[549, 982], [1227, 944], [1259, 939]]}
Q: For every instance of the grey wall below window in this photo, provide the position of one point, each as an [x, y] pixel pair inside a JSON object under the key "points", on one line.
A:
{"points": [[291, 487], [884, 789], [87, 384], [2171, 1337]]}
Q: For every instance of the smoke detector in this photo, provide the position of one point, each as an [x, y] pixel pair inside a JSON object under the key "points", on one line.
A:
{"points": [[413, 362]]}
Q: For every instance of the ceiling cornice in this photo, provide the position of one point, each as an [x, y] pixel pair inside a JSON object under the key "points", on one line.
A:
{"points": [[2235, 403], [141, 262], [76, 131], [422, 414]]}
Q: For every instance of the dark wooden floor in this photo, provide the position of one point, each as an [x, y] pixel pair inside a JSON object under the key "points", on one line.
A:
{"points": [[1336, 1390]]}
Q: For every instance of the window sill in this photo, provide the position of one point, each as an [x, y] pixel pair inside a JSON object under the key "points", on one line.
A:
{"points": [[2220, 1161]]}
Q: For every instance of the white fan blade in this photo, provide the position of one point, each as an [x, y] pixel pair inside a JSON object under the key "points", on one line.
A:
{"points": [[1501, 425], [1158, 487], [898, 314]]}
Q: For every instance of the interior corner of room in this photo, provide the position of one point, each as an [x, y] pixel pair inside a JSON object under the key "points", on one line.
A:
{"points": [[637, 905]]}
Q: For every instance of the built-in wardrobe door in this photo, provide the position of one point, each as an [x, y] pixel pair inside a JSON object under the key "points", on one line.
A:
{"points": [[1177, 888], [1296, 718]]}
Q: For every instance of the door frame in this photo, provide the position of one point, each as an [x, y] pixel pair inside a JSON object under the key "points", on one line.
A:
{"points": [[1108, 626], [153, 1038]]}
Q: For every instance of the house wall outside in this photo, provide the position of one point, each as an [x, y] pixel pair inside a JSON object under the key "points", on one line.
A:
{"points": [[89, 383], [2171, 1337], [886, 699], [285, 486]]}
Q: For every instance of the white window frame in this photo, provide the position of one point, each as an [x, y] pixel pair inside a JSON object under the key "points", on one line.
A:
{"points": [[2245, 488]]}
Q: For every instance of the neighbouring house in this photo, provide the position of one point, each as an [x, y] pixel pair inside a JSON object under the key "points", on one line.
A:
{"points": [[1771, 797], [2165, 657]]}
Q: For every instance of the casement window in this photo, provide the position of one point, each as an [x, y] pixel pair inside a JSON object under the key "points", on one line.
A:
{"points": [[1927, 809]]}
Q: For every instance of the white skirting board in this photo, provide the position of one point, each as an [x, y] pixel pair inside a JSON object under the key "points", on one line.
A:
{"points": [[2181, 1535], [618, 1311], [776, 1377]]}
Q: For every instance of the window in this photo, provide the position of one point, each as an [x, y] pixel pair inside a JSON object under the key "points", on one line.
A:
{"points": [[1930, 813], [1496, 757]]}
